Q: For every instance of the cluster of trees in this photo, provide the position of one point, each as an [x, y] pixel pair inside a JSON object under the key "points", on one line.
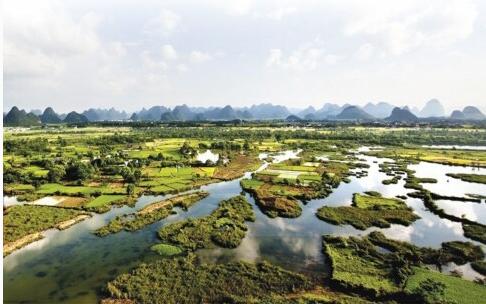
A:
{"points": [[361, 136]]}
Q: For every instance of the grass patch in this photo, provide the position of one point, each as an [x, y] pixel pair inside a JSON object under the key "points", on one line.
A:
{"points": [[356, 265], [375, 202], [184, 280], [237, 167], [456, 289], [470, 178], [150, 213], [103, 200], [166, 250], [22, 220], [368, 211], [475, 231], [224, 227]]}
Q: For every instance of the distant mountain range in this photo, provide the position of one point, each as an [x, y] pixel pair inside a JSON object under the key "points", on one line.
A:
{"points": [[432, 110]]}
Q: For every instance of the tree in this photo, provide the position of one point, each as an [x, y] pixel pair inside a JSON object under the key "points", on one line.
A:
{"points": [[78, 171], [186, 149], [130, 189], [56, 173]]}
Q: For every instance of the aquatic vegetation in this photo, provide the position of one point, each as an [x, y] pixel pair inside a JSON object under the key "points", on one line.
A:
{"points": [[376, 202], [475, 231], [367, 211], [22, 221], [393, 180], [454, 157], [150, 214], [184, 280], [454, 251], [276, 206], [456, 290], [358, 266], [166, 250], [104, 201], [224, 227], [471, 178], [479, 266], [278, 189], [236, 167], [363, 218]]}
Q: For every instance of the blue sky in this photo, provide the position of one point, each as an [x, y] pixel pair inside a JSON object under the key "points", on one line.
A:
{"points": [[133, 54]]}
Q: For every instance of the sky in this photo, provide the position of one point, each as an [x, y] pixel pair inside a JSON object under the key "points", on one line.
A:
{"points": [[75, 55]]}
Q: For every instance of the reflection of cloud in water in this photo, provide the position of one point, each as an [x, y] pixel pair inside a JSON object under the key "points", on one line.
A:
{"points": [[15, 258], [470, 210], [249, 249], [308, 246], [283, 224], [447, 185], [398, 232]]}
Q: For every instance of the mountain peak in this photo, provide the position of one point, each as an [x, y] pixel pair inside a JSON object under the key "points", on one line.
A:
{"points": [[433, 108], [354, 113], [401, 115]]}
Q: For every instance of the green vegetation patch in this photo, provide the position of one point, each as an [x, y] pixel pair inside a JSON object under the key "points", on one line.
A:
{"points": [[184, 280], [368, 211], [479, 266], [471, 178], [375, 202], [276, 206], [455, 251], [150, 213], [456, 290], [357, 265], [166, 250], [22, 220], [224, 227], [103, 200], [475, 231]]}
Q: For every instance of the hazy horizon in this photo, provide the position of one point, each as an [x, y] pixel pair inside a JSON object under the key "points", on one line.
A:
{"points": [[75, 55], [293, 110]]}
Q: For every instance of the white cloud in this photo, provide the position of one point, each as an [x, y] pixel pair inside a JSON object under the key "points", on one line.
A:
{"points": [[365, 51], [151, 63], [234, 7], [332, 59], [405, 26], [281, 12], [199, 57], [39, 36], [169, 52], [305, 58], [182, 68], [163, 24]]}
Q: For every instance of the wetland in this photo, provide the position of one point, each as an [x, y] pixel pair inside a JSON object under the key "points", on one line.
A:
{"points": [[167, 215]]}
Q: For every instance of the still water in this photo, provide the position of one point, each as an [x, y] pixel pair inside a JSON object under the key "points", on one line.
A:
{"points": [[73, 265]]}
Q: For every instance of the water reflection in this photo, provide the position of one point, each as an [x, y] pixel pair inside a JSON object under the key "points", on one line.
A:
{"points": [[447, 185]]}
